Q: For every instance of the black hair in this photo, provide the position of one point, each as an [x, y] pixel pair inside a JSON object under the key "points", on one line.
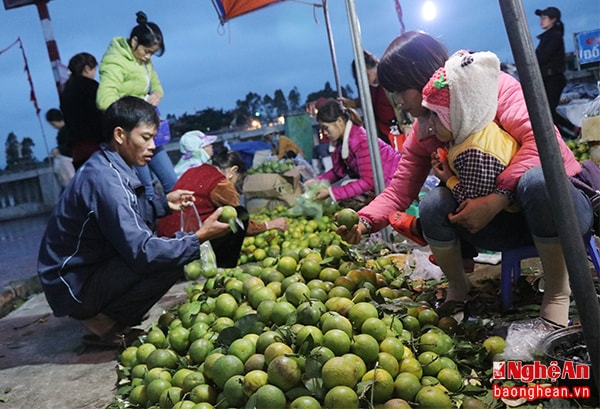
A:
{"points": [[128, 113], [409, 61], [331, 109], [225, 159], [371, 61], [148, 34], [79, 61], [54, 115]]}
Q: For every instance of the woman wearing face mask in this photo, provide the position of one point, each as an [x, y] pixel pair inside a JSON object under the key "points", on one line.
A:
{"points": [[126, 69]]}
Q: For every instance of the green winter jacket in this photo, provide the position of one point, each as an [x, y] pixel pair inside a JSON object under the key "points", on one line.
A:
{"points": [[121, 74]]}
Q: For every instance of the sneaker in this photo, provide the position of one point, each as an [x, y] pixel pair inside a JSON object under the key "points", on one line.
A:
{"points": [[406, 225], [524, 338]]}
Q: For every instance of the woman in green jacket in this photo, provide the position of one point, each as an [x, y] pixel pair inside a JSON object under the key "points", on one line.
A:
{"points": [[126, 69]]}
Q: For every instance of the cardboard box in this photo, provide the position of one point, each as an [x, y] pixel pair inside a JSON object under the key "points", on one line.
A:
{"points": [[272, 185]]}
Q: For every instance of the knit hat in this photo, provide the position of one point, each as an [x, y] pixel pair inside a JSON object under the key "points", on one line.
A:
{"points": [[469, 88], [436, 96]]}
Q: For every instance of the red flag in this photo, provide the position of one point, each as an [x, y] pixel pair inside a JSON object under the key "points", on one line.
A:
{"points": [[32, 91]]}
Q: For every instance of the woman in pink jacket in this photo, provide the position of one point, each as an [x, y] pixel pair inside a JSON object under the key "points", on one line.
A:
{"points": [[351, 156], [404, 69]]}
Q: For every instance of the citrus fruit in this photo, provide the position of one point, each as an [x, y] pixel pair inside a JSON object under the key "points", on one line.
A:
{"points": [[284, 372], [209, 363], [234, 391], [359, 313], [334, 320], [310, 269], [411, 365], [366, 347], [450, 378], [337, 340], [203, 393], [341, 397], [242, 348], [254, 380], [179, 339], [347, 217], [494, 345], [256, 361], [162, 358], [157, 337], [225, 367], [297, 293], [393, 346], [430, 362], [265, 339], [128, 357], [169, 397], [199, 350], [227, 214], [310, 312], [282, 312], [305, 402], [143, 352], [428, 317], [357, 362], [276, 349], [431, 397], [287, 265], [388, 362], [374, 327], [382, 385], [138, 395], [329, 274], [155, 388], [396, 403], [192, 380], [406, 386], [315, 360], [225, 305], [309, 332], [269, 396], [336, 371]]}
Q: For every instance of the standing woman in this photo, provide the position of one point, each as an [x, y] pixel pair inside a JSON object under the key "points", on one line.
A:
{"points": [[351, 157], [83, 119], [126, 69], [550, 53]]}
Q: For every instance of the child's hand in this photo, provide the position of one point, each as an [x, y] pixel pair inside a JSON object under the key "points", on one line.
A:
{"points": [[441, 169]]}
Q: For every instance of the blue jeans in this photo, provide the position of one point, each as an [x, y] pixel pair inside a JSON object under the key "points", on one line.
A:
{"points": [[162, 167], [506, 230]]}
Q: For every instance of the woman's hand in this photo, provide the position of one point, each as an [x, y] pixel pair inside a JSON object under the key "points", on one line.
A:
{"points": [[212, 228], [353, 235], [180, 199], [321, 194], [279, 223], [475, 214], [153, 99]]}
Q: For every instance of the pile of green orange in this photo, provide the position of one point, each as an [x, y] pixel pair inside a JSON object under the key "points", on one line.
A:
{"points": [[298, 324]]}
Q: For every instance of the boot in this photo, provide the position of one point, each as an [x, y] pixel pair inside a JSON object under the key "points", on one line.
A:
{"points": [[555, 303], [449, 258]]}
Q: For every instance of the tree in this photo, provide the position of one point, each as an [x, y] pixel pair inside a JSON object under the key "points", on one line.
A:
{"points": [[279, 102], [294, 100], [12, 148], [268, 108]]}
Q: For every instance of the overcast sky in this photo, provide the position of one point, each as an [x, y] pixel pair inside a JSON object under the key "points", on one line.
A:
{"points": [[209, 65]]}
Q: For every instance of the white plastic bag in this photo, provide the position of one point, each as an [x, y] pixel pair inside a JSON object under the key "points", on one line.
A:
{"points": [[208, 259]]}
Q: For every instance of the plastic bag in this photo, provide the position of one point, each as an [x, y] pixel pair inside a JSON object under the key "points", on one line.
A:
{"points": [[306, 205], [524, 339], [207, 263], [422, 268]]}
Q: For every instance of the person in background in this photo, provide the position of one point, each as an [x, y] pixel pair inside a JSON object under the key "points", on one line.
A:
{"points": [[62, 163], [197, 149], [126, 69], [214, 186], [99, 261], [389, 121], [83, 119], [351, 158], [283, 147], [321, 158], [405, 68], [550, 54]]}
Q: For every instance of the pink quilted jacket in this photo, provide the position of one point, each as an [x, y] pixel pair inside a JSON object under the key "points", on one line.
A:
{"points": [[358, 165], [415, 164]]}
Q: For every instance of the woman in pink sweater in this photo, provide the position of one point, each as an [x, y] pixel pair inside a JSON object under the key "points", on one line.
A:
{"points": [[406, 66], [351, 156]]}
